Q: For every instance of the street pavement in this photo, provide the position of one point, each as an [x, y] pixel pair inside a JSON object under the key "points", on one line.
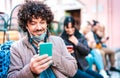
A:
{"points": [[117, 64]]}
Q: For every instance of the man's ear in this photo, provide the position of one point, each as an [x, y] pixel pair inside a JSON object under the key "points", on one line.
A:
{"points": [[26, 27]]}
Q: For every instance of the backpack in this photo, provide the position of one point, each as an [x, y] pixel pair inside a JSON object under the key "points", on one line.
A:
{"points": [[4, 58]]}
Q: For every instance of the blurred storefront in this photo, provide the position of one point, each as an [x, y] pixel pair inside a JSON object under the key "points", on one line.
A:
{"points": [[105, 11]]}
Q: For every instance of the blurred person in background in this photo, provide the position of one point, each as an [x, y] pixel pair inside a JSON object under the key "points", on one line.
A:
{"points": [[72, 37], [101, 39], [95, 56]]}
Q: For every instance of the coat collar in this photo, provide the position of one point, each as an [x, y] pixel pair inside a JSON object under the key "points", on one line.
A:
{"points": [[25, 41]]}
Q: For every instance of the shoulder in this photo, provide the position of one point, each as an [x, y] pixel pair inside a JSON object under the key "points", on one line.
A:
{"points": [[20, 43], [56, 40], [89, 34], [16, 43]]}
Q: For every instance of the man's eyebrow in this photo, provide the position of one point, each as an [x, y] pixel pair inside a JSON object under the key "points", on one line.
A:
{"points": [[43, 20], [30, 21]]}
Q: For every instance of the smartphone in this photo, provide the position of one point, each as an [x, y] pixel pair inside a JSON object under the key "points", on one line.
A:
{"points": [[107, 38], [45, 48], [70, 48]]}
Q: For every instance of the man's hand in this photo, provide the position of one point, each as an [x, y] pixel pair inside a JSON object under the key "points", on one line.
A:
{"points": [[40, 63]]}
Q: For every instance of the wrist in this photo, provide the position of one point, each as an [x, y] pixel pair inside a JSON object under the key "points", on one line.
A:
{"points": [[34, 74]]}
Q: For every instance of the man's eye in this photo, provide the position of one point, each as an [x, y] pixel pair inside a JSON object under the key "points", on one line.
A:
{"points": [[32, 23], [42, 22]]}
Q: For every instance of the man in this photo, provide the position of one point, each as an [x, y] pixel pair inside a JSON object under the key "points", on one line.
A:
{"points": [[34, 18]]}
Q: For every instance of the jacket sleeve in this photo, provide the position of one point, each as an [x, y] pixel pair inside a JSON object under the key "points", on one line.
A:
{"points": [[82, 46], [63, 61], [16, 67]]}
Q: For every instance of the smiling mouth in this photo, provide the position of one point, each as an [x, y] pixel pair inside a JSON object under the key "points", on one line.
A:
{"points": [[39, 30]]}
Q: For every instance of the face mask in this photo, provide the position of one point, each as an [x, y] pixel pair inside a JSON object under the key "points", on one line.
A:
{"points": [[37, 39]]}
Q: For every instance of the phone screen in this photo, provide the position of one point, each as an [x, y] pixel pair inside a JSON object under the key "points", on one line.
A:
{"points": [[45, 48]]}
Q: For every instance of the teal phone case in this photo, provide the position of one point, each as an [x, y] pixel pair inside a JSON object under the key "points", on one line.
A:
{"points": [[45, 48]]}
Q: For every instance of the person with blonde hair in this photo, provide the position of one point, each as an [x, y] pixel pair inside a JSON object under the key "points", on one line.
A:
{"points": [[95, 56], [100, 38]]}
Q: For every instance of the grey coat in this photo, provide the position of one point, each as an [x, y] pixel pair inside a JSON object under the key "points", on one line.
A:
{"points": [[64, 65]]}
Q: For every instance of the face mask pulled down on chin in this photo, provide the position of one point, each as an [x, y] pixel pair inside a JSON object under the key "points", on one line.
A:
{"points": [[37, 39]]}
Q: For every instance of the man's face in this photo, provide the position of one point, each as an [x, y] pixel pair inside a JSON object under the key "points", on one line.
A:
{"points": [[37, 26]]}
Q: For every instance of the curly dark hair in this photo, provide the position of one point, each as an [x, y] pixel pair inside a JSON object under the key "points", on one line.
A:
{"points": [[33, 9]]}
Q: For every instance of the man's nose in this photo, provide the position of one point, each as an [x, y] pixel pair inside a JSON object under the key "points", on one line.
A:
{"points": [[39, 26]]}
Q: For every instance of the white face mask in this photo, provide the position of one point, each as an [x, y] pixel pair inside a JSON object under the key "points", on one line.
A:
{"points": [[37, 39]]}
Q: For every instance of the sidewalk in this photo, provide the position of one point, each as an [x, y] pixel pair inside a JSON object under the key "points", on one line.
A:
{"points": [[117, 58]]}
